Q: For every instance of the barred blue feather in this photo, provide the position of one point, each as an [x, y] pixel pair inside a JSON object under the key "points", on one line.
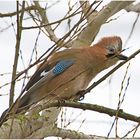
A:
{"points": [[61, 66]]}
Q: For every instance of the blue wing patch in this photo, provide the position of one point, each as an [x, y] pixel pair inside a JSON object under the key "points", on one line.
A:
{"points": [[61, 66]]}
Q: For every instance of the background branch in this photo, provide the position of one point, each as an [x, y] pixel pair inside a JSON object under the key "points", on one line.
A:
{"points": [[42, 13], [92, 107], [17, 48], [29, 8], [40, 124], [34, 125], [86, 8], [87, 36], [133, 8]]}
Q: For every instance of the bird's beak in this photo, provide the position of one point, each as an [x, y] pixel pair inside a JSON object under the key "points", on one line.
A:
{"points": [[122, 57]]}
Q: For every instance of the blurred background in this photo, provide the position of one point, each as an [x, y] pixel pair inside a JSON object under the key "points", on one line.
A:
{"points": [[106, 93]]}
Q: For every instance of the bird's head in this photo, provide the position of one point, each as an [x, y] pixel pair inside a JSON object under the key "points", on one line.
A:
{"points": [[113, 48]]}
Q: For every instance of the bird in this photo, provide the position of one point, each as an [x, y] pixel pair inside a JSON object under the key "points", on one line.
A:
{"points": [[69, 71]]}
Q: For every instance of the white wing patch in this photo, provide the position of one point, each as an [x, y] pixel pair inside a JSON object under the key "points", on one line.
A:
{"points": [[44, 73]]}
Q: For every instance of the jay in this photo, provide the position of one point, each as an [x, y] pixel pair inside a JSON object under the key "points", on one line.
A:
{"points": [[69, 71]]}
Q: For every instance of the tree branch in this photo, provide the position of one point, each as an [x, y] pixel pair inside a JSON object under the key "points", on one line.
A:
{"points": [[35, 127], [133, 8], [44, 18], [3, 15], [87, 36], [17, 48], [87, 8], [63, 133], [92, 107], [21, 127]]}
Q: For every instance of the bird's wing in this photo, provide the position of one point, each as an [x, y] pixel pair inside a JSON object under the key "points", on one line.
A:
{"points": [[49, 72], [44, 76], [37, 76], [47, 75], [55, 66], [61, 60]]}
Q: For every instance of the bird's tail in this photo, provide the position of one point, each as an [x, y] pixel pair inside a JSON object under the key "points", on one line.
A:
{"points": [[17, 107], [3, 117]]}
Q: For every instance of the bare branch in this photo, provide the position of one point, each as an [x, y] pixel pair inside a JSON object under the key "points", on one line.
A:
{"points": [[24, 125], [132, 30], [86, 8], [92, 107], [71, 134], [38, 127], [3, 15], [87, 36], [133, 8], [58, 132], [52, 23], [18, 36], [48, 28]]}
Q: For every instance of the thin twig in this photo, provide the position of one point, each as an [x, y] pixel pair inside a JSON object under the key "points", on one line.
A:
{"points": [[132, 30], [119, 103], [45, 20], [18, 37], [130, 131], [3, 15]]}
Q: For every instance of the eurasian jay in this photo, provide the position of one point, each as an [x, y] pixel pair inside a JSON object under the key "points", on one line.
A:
{"points": [[69, 71]]}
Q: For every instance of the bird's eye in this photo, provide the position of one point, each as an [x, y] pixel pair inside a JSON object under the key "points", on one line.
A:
{"points": [[111, 50]]}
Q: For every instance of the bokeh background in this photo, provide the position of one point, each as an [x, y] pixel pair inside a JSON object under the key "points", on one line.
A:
{"points": [[106, 94]]}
